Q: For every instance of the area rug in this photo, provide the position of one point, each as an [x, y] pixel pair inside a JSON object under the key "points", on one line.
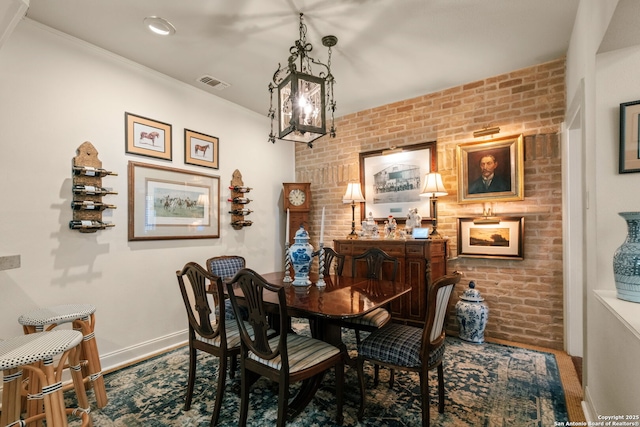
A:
{"points": [[486, 385]]}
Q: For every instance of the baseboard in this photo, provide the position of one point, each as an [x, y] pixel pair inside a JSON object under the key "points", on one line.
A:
{"points": [[139, 352], [587, 407]]}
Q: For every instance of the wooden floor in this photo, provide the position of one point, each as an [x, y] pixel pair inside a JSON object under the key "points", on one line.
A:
{"points": [[577, 363]]}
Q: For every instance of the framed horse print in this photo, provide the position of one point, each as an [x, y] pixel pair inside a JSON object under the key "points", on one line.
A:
{"points": [[167, 203], [147, 137], [200, 149]]}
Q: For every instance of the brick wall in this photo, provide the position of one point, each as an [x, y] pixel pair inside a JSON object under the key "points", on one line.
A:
{"points": [[525, 298]]}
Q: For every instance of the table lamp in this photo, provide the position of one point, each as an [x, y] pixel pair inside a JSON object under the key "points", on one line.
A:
{"points": [[433, 188], [353, 195]]}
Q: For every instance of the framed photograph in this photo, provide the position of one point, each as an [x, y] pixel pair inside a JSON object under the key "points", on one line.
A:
{"points": [[167, 203], [491, 237], [147, 137], [200, 149], [392, 179], [629, 137], [491, 171]]}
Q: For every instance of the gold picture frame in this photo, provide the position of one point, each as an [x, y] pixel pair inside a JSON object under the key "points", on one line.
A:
{"points": [[501, 237], [167, 203], [505, 156], [200, 149], [147, 137]]}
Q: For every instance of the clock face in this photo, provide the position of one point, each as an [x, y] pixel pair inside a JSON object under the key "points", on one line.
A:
{"points": [[297, 197]]}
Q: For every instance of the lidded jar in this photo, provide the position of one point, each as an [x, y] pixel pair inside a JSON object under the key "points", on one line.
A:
{"points": [[300, 254], [472, 313]]}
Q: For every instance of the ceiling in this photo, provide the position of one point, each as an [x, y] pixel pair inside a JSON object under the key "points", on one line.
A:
{"points": [[387, 51]]}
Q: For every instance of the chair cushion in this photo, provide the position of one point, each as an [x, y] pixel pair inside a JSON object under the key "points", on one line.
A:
{"points": [[398, 345], [304, 352], [376, 318], [233, 336], [226, 267]]}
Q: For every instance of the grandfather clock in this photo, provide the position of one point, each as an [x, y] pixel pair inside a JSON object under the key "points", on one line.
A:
{"points": [[297, 198]]}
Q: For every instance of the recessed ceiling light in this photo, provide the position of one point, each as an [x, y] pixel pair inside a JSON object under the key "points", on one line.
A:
{"points": [[159, 26]]}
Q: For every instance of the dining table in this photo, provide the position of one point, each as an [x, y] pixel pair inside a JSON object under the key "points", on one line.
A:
{"points": [[326, 307]]}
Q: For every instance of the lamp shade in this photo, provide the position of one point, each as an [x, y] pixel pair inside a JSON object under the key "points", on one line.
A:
{"points": [[433, 186], [353, 193]]}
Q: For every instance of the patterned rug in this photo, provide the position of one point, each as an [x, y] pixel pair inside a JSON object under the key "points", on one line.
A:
{"points": [[486, 385]]}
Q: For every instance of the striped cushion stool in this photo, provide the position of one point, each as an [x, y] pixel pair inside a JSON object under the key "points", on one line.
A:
{"points": [[82, 318], [34, 354]]}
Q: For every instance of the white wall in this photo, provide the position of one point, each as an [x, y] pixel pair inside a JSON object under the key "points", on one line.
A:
{"points": [[57, 92], [608, 377]]}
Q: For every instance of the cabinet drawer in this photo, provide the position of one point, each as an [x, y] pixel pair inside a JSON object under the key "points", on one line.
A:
{"points": [[415, 250], [396, 250]]}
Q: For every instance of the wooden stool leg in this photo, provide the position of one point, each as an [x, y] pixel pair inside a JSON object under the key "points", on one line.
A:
{"points": [[54, 408], [78, 382], [11, 382], [35, 406], [91, 354]]}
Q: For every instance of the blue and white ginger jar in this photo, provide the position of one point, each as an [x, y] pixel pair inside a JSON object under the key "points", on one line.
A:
{"points": [[472, 313], [626, 260], [300, 254]]}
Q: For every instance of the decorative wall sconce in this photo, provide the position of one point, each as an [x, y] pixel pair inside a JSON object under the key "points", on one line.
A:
{"points": [[486, 132], [353, 195], [433, 188], [303, 98]]}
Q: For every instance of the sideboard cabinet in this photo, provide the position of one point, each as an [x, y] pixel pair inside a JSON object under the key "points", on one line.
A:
{"points": [[421, 261]]}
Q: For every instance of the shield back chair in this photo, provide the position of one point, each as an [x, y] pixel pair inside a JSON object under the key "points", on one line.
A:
{"points": [[329, 256], [42, 355], [408, 348], [377, 262], [215, 336], [286, 358]]}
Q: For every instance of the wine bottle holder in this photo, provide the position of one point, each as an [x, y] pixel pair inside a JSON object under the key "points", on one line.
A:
{"points": [[239, 211], [87, 191]]}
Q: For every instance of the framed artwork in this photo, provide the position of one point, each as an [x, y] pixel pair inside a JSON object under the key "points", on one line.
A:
{"points": [[629, 137], [147, 137], [491, 171], [200, 149], [167, 203], [491, 238], [391, 181]]}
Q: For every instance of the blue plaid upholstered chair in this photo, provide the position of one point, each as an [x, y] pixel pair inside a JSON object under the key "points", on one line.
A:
{"points": [[226, 266], [217, 337], [407, 348], [285, 358]]}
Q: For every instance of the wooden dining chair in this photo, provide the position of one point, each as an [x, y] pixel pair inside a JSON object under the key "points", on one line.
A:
{"points": [[226, 266], [286, 358], [329, 256], [408, 348], [215, 336], [377, 262]]}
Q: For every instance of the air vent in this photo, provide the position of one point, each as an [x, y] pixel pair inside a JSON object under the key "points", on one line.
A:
{"points": [[213, 82]]}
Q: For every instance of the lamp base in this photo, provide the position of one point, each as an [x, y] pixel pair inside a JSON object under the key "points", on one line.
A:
{"points": [[352, 236], [434, 234]]}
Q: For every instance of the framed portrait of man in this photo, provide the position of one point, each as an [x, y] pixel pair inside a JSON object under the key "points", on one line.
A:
{"points": [[491, 171]]}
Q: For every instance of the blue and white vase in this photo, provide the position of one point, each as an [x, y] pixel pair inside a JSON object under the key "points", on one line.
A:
{"points": [[626, 260], [472, 313], [300, 254]]}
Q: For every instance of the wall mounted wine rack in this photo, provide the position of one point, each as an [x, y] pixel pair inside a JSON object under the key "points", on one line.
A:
{"points": [[87, 204], [239, 200]]}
